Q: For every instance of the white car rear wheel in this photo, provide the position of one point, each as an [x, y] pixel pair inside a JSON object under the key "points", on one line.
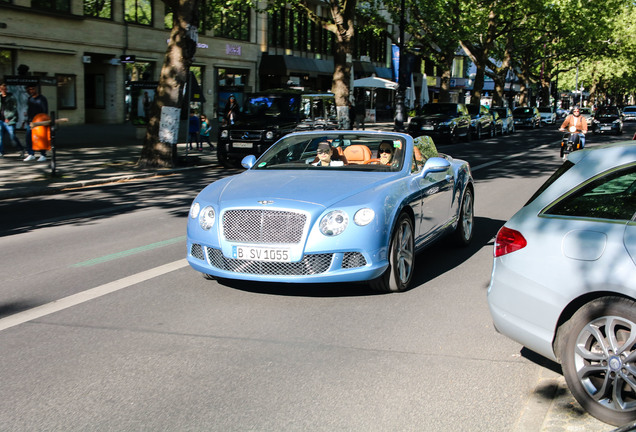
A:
{"points": [[598, 356]]}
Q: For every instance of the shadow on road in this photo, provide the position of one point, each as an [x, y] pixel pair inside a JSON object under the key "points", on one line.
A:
{"points": [[434, 261]]}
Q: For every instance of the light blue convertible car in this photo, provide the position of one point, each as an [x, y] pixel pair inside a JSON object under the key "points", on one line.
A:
{"points": [[332, 206]]}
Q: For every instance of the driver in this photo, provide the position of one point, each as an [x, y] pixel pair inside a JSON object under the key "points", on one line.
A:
{"points": [[326, 155], [575, 123]]}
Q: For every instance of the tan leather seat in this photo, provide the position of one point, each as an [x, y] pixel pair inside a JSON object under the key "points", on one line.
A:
{"points": [[357, 154]]}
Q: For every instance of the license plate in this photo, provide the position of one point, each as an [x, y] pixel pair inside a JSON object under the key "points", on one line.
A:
{"points": [[239, 144], [606, 128], [254, 253], [427, 127]]}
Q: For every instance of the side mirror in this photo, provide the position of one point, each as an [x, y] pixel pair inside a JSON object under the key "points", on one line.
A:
{"points": [[435, 164], [248, 161]]}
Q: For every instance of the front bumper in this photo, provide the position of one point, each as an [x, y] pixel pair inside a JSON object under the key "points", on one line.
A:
{"points": [[318, 267], [607, 128]]}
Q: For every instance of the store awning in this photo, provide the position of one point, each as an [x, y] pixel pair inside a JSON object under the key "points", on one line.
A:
{"points": [[286, 65], [375, 82]]}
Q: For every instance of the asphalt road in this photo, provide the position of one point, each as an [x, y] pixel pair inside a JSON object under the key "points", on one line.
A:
{"points": [[103, 326]]}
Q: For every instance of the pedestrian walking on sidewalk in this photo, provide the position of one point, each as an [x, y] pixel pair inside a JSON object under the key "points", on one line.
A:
{"points": [[8, 118], [194, 127], [206, 127], [36, 104]]}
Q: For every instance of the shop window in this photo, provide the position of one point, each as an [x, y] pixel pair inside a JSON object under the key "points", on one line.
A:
{"points": [[98, 8], [66, 98], [138, 11], [52, 5]]}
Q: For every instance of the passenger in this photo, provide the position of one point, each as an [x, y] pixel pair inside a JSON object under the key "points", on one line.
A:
{"points": [[326, 156], [386, 152]]}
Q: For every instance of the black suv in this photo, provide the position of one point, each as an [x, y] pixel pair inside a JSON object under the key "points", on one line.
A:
{"points": [[267, 116], [446, 121], [481, 122]]}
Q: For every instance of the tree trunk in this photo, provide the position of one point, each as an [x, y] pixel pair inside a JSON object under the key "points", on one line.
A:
{"points": [[174, 75], [341, 82]]}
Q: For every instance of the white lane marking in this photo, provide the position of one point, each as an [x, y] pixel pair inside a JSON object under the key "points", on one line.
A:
{"points": [[91, 294]]}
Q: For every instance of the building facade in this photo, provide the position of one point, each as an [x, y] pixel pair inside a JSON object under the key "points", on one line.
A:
{"points": [[98, 61]]}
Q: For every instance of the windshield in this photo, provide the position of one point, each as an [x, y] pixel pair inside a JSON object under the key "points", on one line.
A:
{"points": [[545, 110], [272, 106], [629, 109], [522, 111], [347, 152], [607, 112], [501, 111], [439, 108]]}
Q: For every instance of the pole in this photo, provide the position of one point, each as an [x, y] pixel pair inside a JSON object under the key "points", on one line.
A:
{"points": [[52, 126], [399, 101]]}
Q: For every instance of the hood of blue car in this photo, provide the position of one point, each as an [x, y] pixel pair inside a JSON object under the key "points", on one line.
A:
{"points": [[307, 187]]}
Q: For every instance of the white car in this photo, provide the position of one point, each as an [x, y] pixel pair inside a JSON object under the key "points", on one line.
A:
{"points": [[548, 115], [629, 113], [564, 278]]}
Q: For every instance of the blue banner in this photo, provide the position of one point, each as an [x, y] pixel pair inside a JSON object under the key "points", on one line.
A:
{"points": [[395, 59]]}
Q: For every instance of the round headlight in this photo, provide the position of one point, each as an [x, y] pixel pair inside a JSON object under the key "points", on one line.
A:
{"points": [[364, 216], [207, 217], [225, 133], [269, 135], [334, 223], [194, 210]]}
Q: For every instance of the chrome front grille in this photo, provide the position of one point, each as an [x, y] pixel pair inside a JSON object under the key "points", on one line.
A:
{"points": [[263, 226], [310, 265]]}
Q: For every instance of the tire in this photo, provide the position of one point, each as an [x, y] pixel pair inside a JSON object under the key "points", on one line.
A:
{"points": [[465, 224], [595, 345], [469, 135], [398, 276]]}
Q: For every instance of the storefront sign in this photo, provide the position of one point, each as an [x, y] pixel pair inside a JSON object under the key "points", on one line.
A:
{"points": [[234, 50]]}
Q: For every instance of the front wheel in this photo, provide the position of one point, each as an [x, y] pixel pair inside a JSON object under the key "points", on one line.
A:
{"points": [[464, 230], [398, 276], [598, 355]]}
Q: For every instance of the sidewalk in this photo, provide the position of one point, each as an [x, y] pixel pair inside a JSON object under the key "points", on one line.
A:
{"points": [[93, 154]]}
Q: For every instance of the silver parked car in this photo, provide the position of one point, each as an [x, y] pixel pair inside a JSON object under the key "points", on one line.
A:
{"points": [[564, 278], [629, 113], [505, 114], [548, 115]]}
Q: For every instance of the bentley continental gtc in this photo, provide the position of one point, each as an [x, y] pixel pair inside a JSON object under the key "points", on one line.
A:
{"points": [[332, 206]]}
